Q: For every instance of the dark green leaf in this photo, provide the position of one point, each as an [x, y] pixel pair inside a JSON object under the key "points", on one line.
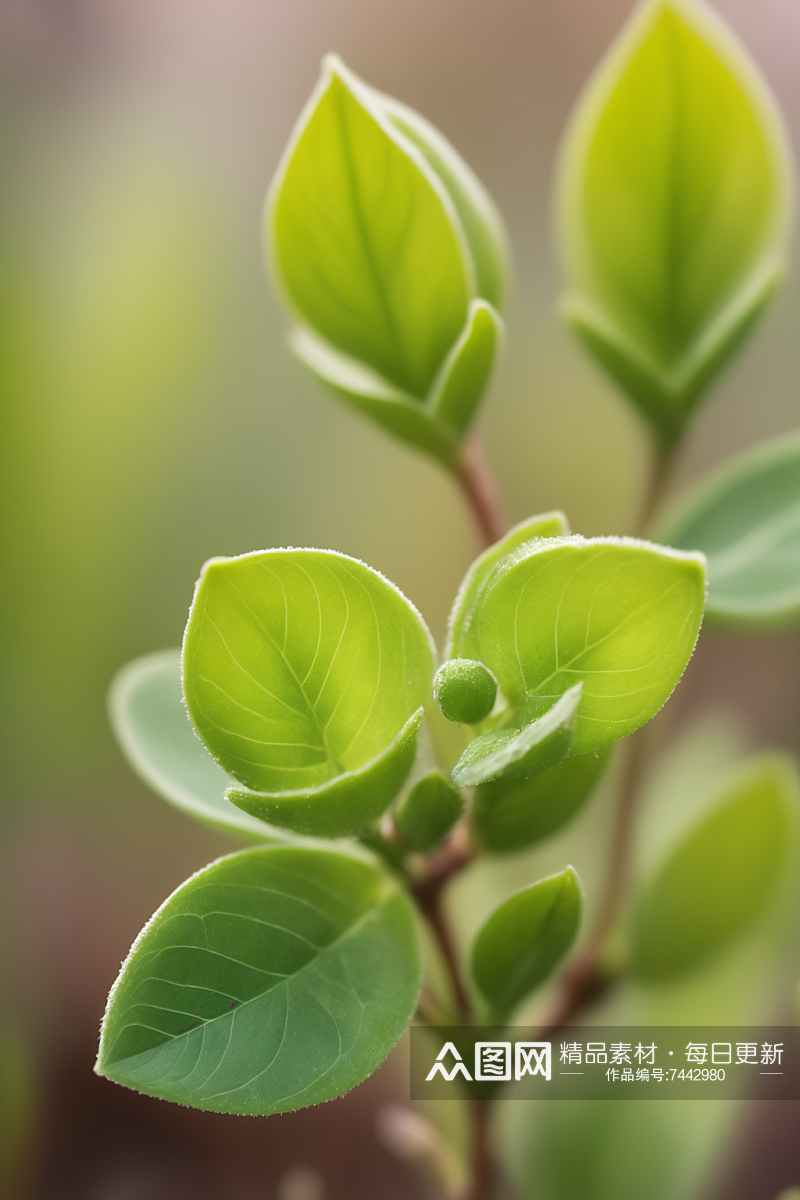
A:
{"points": [[511, 814], [303, 669], [159, 742], [720, 877], [428, 812], [352, 803], [551, 524], [673, 203], [518, 753], [273, 979], [524, 939], [622, 616], [365, 238], [745, 517]]}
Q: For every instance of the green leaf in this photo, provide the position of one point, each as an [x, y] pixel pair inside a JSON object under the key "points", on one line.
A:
{"points": [[511, 814], [428, 812], [464, 376], [720, 877], [745, 517], [673, 204], [551, 524], [479, 217], [302, 669], [273, 979], [365, 238], [373, 396], [518, 753], [524, 939], [157, 738], [352, 803], [620, 615]]}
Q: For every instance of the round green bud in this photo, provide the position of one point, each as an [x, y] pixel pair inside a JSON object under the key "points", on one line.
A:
{"points": [[465, 690]]}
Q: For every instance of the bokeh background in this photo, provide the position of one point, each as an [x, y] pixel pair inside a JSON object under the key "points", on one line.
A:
{"points": [[153, 418]]}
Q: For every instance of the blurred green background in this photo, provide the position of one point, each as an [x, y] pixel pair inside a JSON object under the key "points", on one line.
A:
{"points": [[152, 417]]}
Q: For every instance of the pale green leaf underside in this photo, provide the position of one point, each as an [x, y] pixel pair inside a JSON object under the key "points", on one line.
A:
{"points": [[462, 381], [158, 740], [351, 803], [273, 979], [673, 199], [365, 238], [300, 666], [746, 519], [718, 879], [551, 524], [523, 940], [511, 814], [479, 217], [620, 615], [519, 753]]}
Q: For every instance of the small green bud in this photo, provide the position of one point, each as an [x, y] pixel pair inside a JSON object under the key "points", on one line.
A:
{"points": [[465, 690], [428, 812]]}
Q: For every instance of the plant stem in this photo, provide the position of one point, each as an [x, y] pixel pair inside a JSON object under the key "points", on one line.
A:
{"points": [[480, 489], [454, 856], [481, 1175]]}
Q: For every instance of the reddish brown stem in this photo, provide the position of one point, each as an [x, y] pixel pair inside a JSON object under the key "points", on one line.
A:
{"points": [[480, 1184], [480, 488], [427, 892]]}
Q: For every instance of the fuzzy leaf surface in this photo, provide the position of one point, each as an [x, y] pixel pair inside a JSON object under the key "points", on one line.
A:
{"points": [[523, 940], [621, 616], [721, 876], [273, 979], [673, 203], [365, 238], [746, 520], [518, 753], [511, 814], [301, 666]]}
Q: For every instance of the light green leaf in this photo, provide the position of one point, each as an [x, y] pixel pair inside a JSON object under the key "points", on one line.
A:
{"points": [[273, 979], [511, 814], [302, 667], [157, 738], [373, 396], [428, 812], [524, 939], [745, 517], [464, 376], [518, 753], [673, 201], [352, 803], [720, 877], [365, 238], [551, 524], [479, 217], [620, 615]]}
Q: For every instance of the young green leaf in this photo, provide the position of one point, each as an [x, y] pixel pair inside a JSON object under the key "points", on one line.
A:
{"points": [[464, 376], [480, 220], [273, 979], [365, 238], [352, 803], [303, 669], [428, 812], [158, 740], [673, 204], [745, 517], [511, 814], [552, 524], [716, 881], [620, 615], [518, 753], [523, 940]]}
